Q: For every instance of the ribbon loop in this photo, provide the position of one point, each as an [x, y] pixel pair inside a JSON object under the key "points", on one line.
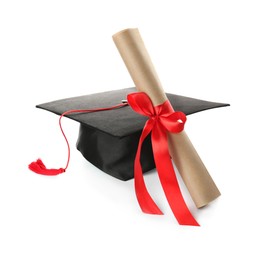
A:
{"points": [[162, 119], [174, 122], [141, 104]]}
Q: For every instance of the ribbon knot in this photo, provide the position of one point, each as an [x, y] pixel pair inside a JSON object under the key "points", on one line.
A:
{"points": [[162, 119]]}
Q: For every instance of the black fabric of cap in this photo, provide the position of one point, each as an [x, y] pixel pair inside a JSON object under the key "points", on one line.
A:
{"points": [[109, 139]]}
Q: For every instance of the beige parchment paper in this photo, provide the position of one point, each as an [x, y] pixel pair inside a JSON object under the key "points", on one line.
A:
{"points": [[191, 168]]}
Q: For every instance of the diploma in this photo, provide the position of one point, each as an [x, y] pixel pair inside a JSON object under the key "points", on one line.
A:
{"points": [[191, 168]]}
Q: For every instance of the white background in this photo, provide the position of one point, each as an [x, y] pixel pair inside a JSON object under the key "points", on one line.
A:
{"points": [[213, 50]]}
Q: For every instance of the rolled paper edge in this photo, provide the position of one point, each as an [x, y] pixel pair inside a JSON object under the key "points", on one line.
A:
{"points": [[139, 64]]}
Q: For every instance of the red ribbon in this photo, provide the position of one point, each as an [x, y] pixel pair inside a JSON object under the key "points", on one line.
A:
{"points": [[162, 119]]}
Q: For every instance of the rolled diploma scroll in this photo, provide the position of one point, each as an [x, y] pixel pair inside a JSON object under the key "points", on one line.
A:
{"points": [[192, 170]]}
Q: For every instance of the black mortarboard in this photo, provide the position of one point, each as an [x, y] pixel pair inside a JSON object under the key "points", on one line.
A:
{"points": [[109, 139]]}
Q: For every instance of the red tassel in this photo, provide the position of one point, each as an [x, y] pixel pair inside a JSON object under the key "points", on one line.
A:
{"points": [[40, 168]]}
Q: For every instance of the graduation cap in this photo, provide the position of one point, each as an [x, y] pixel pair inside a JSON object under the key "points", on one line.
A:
{"points": [[110, 130]]}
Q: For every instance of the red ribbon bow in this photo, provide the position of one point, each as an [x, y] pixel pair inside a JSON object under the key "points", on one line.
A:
{"points": [[162, 119]]}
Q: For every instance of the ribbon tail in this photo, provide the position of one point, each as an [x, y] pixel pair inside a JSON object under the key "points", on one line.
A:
{"points": [[146, 203], [168, 178]]}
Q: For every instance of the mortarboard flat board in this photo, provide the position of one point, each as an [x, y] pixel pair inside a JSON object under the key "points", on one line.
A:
{"points": [[109, 139]]}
